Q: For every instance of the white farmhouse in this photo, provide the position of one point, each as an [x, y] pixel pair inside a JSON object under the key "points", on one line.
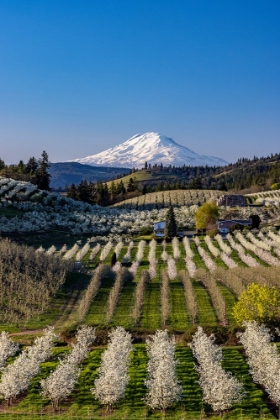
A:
{"points": [[159, 229]]}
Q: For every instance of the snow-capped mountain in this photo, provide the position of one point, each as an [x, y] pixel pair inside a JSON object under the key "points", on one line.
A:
{"points": [[151, 148]]}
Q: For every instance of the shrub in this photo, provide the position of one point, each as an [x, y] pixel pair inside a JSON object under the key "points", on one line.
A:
{"points": [[257, 303]]}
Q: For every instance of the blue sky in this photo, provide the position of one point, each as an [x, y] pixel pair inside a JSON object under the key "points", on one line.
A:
{"points": [[78, 76]]}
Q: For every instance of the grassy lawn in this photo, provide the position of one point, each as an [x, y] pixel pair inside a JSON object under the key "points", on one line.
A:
{"points": [[179, 318], [234, 255], [197, 258], [123, 314], [98, 308], [151, 316], [230, 299], [205, 312]]}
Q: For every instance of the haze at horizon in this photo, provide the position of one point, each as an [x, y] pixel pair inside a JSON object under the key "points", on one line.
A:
{"points": [[77, 78]]}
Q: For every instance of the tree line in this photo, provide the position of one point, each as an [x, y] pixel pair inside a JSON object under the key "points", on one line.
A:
{"points": [[34, 171], [245, 173], [99, 193]]}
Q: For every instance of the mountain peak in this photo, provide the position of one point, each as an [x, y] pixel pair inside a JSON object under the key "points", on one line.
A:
{"points": [[153, 148]]}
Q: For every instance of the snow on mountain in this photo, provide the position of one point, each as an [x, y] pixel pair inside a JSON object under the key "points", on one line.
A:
{"points": [[151, 148]]}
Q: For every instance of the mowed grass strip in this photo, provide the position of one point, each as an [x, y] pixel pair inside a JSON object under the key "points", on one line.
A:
{"points": [[122, 253], [108, 259], [97, 311], [218, 261], [259, 260], [136, 390], [230, 299], [181, 264], [151, 316], [253, 405], [82, 400], [92, 264], [144, 264], [187, 375], [123, 313], [197, 258], [206, 314], [179, 318], [234, 255]]}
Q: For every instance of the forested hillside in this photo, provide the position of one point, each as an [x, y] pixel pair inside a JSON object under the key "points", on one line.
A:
{"points": [[245, 175]]}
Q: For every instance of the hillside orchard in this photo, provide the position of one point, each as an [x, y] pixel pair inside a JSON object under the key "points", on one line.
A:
{"points": [[111, 324]]}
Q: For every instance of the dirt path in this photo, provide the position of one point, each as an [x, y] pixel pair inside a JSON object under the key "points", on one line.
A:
{"points": [[26, 332]]}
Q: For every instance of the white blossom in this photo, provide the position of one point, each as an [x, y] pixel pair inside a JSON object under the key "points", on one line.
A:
{"points": [[162, 383], [171, 269], [61, 382], [8, 348], [16, 377], [109, 387], [263, 358], [220, 389]]}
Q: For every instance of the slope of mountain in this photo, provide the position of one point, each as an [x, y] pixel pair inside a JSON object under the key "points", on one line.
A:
{"points": [[152, 148]]}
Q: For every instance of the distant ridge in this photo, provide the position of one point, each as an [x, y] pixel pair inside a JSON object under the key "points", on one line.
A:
{"points": [[153, 148], [67, 173]]}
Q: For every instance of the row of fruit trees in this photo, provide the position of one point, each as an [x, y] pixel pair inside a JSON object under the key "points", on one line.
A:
{"points": [[220, 389]]}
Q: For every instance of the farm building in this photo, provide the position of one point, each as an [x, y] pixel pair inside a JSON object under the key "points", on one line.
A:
{"points": [[225, 225], [231, 200], [159, 229]]}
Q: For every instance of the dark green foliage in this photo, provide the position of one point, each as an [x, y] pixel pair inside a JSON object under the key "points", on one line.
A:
{"points": [[35, 171], [2, 164], [255, 220], [132, 185], [245, 173], [146, 230], [43, 177], [195, 184], [31, 166], [97, 193], [113, 259], [170, 229], [72, 192]]}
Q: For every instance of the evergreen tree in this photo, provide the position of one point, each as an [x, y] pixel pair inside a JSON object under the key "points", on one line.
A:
{"points": [[170, 229], [113, 259], [83, 192], [130, 185], [113, 189], [21, 167], [120, 188], [100, 197], [31, 166], [43, 178], [144, 190], [256, 220], [106, 195], [72, 192], [2, 164]]}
